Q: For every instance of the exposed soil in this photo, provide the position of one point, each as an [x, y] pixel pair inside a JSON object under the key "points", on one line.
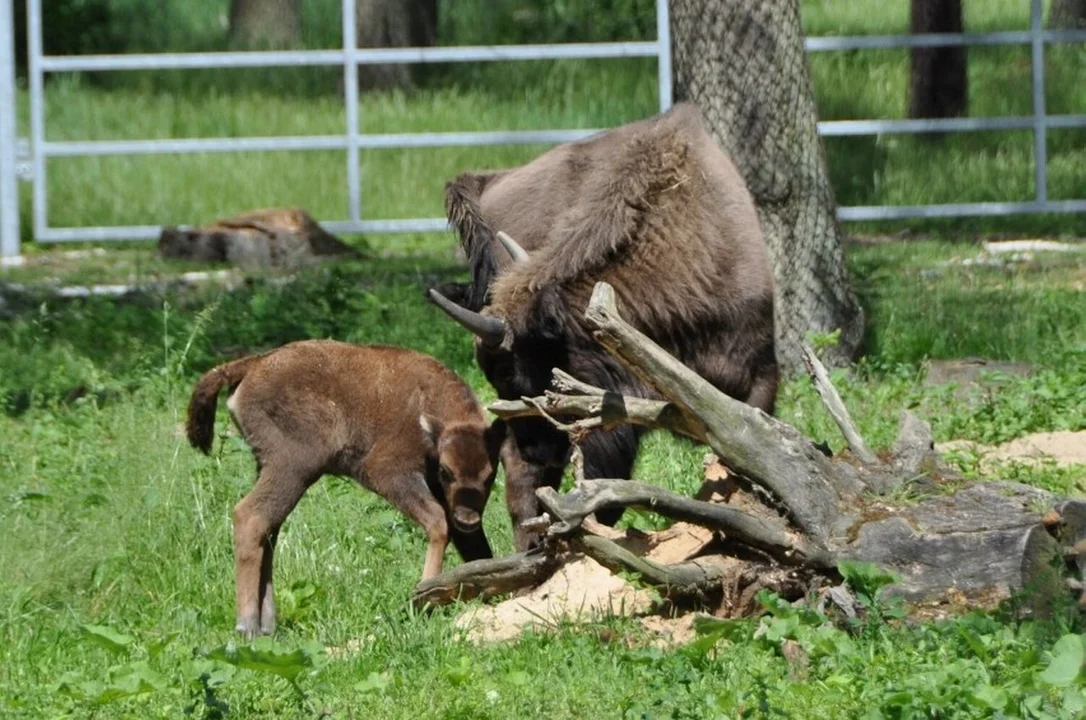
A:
{"points": [[1064, 448]]}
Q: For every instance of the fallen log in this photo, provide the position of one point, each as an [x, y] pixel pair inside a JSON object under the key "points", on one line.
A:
{"points": [[947, 540]]}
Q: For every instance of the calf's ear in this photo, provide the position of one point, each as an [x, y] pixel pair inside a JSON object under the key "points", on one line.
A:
{"points": [[431, 431], [495, 436]]}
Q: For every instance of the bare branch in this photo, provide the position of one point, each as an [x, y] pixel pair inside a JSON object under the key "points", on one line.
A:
{"points": [[563, 382], [601, 412], [591, 496], [763, 449], [836, 407], [485, 579], [686, 578]]}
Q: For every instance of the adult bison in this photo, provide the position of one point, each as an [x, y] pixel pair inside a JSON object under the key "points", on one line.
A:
{"points": [[656, 209]]}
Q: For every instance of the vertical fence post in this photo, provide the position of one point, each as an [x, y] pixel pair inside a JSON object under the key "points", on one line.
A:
{"points": [[350, 99], [9, 188], [1040, 138], [663, 60], [37, 113]]}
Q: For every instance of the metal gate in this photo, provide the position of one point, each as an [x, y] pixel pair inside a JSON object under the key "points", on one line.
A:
{"points": [[34, 167]]}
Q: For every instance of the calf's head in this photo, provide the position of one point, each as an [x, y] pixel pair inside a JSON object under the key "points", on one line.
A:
{"points": [[462, 458]]}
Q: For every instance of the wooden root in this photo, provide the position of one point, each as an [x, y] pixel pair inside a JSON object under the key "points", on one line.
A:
{"points": [[591, 496], [485, 579]]}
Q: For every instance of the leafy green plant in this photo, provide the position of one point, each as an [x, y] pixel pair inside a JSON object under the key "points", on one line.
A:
{"points": [[266, 655], [867, 581]]}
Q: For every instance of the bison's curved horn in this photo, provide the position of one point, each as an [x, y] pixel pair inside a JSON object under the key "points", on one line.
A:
{"points": [[518, 253], [490, 330]]}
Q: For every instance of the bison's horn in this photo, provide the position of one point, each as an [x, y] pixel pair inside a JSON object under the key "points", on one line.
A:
{"points": [[518, 253], [490, 330]]}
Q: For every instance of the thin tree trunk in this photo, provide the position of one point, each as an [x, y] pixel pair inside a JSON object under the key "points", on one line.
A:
{"points": [[938, 84], [744, 64], [269, 23], [392, 24], [1067, 15]]}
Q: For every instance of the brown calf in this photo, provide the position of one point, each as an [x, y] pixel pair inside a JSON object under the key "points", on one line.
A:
{"points": [[399, 422]]}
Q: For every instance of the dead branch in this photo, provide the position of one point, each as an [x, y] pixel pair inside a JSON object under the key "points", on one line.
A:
{"points": [[591, 496], [765, 450], [485, 578], [836, 407], [688, 578], [601, 412]]}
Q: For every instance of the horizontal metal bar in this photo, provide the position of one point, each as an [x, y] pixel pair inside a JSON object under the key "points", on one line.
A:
{"points": [[950, 210], [387, 141], [151, 232], [496, 53], [460, 139], [191, 61], [1065, 121], [192, 145], [832, 128], [427, 225], [892, 42], [383, 141], [310, 58]]}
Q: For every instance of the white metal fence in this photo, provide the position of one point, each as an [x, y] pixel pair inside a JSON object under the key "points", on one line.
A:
{"points": [[38, 150]]}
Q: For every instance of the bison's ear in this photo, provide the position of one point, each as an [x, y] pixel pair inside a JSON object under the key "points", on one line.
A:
{"points": [[431, 431], [550, 313]]}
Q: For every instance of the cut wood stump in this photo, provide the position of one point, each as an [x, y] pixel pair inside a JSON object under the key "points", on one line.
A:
{"points": [[280, 239], [784, 514]]}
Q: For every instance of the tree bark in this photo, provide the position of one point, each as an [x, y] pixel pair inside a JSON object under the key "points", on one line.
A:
{"points": [[267, 23], [938, 84], [744, 64], [1067, 15], [392, 24], [484, 579]]}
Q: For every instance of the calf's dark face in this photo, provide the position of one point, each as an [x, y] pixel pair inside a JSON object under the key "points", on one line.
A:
{"points": [[465, 459]]}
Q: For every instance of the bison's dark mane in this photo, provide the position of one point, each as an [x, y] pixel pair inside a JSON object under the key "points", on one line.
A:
{"points": [[476, 239]]}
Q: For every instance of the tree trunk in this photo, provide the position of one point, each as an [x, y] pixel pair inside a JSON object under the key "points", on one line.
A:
{"points": [[392, 24], [1067, 15], [744, 64], [938, 85], [265, 23]]}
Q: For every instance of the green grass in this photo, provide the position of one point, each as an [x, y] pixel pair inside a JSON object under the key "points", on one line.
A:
{"points": [[111, 520]]}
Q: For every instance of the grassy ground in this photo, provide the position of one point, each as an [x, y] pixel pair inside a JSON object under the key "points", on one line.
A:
{"points": [[116, 580], [116, 572]]}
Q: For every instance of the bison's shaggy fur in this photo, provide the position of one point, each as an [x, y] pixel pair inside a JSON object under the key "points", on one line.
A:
{"points": [[657, 210]]}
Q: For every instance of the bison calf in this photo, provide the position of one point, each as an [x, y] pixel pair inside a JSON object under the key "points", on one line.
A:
{"points": [[397, 421]]}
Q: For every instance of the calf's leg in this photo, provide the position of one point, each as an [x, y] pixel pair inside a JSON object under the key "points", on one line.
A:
{"points": [[257, 519], [409, 493]]}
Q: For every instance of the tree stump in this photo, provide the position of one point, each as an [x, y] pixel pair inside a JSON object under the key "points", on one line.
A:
{"points": [[278, 239]]}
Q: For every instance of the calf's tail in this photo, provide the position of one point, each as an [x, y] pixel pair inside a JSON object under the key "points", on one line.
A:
{"points": [[200, 427]]}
